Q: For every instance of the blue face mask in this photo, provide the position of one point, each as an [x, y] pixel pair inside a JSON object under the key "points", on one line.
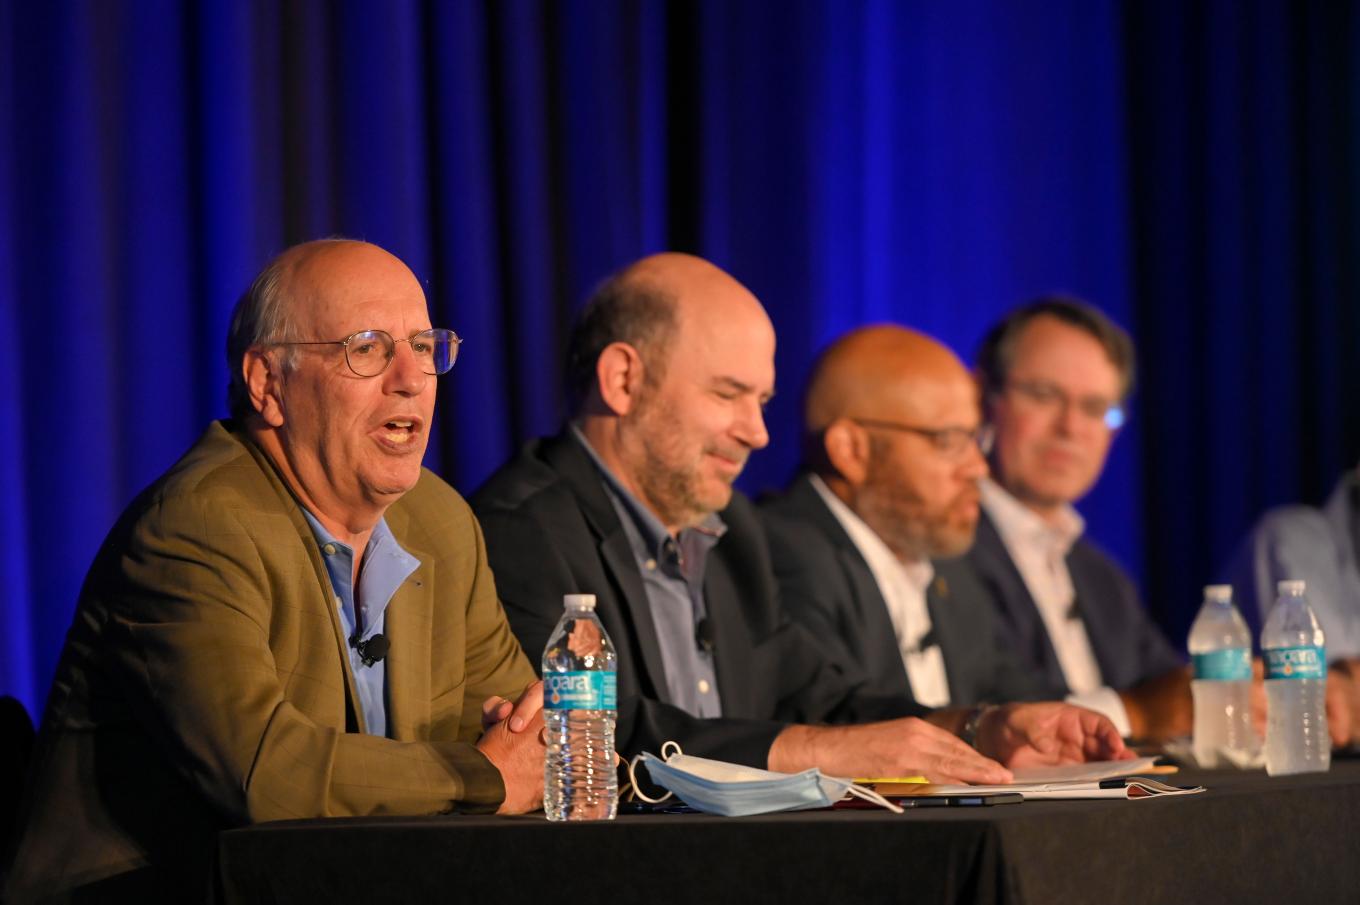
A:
{"points": [[732, 790]]}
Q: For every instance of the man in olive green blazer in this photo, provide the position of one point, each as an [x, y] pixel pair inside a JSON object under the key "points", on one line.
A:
{"points": [[209, 679]]}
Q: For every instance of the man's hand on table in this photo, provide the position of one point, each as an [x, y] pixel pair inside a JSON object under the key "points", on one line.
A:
{"points": [[896, 748], [1048, 733], [1343, 703], [512, 739], [1160, 708]]}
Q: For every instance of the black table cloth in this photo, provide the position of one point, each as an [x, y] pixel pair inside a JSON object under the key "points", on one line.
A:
{"points": [[1249, 838]]}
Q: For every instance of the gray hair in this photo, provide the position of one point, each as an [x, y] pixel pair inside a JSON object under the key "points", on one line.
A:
{"points": [[263, 315]]}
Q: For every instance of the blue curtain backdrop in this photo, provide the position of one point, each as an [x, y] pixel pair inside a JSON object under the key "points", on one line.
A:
{"points": [[1188, 167]]}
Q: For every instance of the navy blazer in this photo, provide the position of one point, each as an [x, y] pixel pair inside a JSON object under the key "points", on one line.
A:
{"points": [[551, 530], [1129, 648], [826, 585]]}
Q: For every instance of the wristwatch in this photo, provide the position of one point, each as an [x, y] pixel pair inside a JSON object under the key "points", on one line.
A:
{"points": [[972, 722]]}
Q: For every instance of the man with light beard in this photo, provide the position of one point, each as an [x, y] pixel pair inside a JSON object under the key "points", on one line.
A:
{"points": [[892, 458], [670, 364]]}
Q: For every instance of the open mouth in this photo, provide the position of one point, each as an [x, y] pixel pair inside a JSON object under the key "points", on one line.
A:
{"points": [[399, 432]]}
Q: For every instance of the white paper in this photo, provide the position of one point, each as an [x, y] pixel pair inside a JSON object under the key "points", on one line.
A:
{"points": [[1093, 771]]}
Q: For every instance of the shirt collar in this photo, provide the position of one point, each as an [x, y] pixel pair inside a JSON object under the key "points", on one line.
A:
{"points": [[381, 535], [1016, 522], [654, 534], [875, 552]]}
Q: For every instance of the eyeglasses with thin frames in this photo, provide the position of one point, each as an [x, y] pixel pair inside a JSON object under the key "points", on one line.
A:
{"points": [[1046, 396], [369, 352], [951, 442]]}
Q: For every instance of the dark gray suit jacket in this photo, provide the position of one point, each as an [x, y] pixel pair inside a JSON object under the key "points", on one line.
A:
{"points": [[828, 587], [551, 530], [1128, 646]]}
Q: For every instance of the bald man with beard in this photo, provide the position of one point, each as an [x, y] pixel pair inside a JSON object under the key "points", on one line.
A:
{"points": [[670, 364], [861, 540]]}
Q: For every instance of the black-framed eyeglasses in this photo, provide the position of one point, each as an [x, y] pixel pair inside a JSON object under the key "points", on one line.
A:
{"points": [[369, 352], [951, 442], [1045, 395]]}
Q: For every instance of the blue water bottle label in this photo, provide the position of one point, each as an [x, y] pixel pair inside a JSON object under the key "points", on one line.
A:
{"points": [[1230, 665], [1296, 662], [586, 690]]}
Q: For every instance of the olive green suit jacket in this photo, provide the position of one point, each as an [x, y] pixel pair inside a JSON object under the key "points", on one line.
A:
{"points": [[205, 683]]}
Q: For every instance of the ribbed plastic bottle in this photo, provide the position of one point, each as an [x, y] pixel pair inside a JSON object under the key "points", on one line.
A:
{"points": [[1220, 649], [580, 705], [1295, 653]]}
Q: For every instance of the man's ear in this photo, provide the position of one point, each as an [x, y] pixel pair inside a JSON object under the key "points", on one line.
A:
{"points": [[264, 385], [619, 373], [847, 450]]}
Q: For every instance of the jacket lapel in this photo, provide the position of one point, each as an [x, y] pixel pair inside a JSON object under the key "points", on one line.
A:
{"points": [[1017, 606], [407, 625], [566, 456], [325, 595], [878, 638], [956, 647]]}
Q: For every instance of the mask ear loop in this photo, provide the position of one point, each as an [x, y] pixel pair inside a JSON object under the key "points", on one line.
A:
{"points": [[873, 797], [668, 750]]}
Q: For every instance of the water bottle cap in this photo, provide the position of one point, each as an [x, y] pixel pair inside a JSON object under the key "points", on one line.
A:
{"points": [[578, 602], [1292, 586], [1219, 593]]}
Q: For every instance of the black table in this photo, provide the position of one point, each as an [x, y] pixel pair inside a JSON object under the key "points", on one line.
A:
{"points": [[1249, 838]]}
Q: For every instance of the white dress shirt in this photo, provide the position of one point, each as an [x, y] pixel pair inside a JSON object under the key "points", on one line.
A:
{"points": [[1039, 550], [903, 586]]}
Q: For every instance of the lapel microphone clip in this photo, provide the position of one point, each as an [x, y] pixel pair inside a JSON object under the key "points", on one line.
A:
{"points": [[372, 650]]}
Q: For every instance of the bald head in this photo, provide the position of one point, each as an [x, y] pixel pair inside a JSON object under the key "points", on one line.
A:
{"points": [[672, 362], [301, 278], [316, 271], [883, 372], [891, 417], [646, 304], [699, 288]]}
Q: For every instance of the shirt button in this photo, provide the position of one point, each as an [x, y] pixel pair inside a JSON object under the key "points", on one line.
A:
{"points": [[329, 549], [651, 565], [703, 686]]}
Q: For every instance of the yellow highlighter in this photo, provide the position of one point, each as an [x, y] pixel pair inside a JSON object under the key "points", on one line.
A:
{"points": [[890, 779]]}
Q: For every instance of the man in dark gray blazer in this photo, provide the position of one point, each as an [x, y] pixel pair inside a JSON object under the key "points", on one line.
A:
{"points": [[891, 429], [670, 364], [1054, 377]]}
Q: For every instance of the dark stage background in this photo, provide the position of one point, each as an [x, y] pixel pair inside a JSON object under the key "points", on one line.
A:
{"points": [[1189, 167]]}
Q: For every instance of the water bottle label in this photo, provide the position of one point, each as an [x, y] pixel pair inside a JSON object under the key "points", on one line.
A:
{"points": [[1296, 662], [1230, 665], [586, 690]]}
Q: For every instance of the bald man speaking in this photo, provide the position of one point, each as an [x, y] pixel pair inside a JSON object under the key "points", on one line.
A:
{"points": [[861, 540], [296, 620]]}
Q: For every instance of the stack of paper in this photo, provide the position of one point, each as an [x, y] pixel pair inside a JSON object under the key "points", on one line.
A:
{"points": [[1101, 779]]}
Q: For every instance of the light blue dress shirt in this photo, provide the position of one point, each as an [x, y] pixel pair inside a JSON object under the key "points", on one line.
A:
{"points": [[383, 569], [672, 570], [1320, 546]]}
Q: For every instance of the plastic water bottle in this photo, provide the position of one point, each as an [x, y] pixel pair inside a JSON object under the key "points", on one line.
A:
{"points": [[580, 704], [1220, 648], [1296, 686]]}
